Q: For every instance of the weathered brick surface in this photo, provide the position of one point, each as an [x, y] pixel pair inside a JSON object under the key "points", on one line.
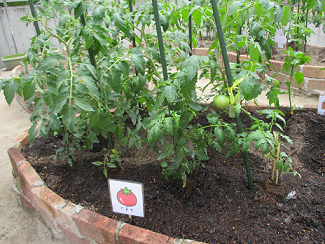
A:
{"points": [[48, 201], [50, 222], [66, 212], [201, 51], [26, 204], [27, 191], [71, 236], [130, 234], [275, 65], [232, 57], [316, 84], [22, 138], [313, 71], [15, 157], [28, 174], [95, 226]]}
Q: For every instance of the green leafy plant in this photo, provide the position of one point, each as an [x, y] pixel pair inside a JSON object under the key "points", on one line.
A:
{"points": [[270, 141], [73, 94], [290, 66], [89, 90], [110, 160]]}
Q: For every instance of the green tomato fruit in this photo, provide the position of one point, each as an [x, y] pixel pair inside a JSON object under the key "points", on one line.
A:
{"points": [[221, 101]]}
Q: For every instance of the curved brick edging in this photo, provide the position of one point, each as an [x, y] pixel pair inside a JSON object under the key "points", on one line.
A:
{"points": [[72, 222], [69, 221], [314, 83]]}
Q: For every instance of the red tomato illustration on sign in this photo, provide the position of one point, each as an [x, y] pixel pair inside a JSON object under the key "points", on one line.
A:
{"points": [[126, 197]]}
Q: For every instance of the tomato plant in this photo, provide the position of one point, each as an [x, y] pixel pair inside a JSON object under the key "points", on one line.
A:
{"points": [[95, 84], [126, 197]]}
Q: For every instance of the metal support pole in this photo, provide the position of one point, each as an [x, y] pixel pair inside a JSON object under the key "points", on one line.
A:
{"points": [[160, 40], [32, 10], [230, 83], [190, 33]]}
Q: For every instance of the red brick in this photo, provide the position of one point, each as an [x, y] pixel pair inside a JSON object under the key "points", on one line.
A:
{"points": [[50, 222], [316, 84], [244, 57], [202, 51], [48, 201], [22, 138], [28, 174], [71, 236], [232, 57], [66, 211], [27, 191], [275, 65], [15, 157], [130, 234], [313, 71], [27, 205], [95, 226]]}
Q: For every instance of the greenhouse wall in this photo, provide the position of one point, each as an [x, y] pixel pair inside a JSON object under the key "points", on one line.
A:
{"points": [[14, 35]]}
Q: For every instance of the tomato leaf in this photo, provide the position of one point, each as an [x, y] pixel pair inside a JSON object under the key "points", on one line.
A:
{"points": [[299, 77]]}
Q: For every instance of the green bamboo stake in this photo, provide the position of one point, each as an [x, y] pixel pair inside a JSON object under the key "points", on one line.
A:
{"points": [[190, 33], [131, 10], [94, 63], [238, 51], [230, 83], [32, 10], [306, 27], [160, 40]]}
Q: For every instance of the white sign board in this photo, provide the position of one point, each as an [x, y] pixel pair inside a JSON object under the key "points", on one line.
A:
{"points": [[321, 105], [280, 38], [126, 197]]}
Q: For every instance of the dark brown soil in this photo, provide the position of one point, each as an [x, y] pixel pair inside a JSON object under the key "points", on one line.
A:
{"points": [[317, 54], [216, 206]]}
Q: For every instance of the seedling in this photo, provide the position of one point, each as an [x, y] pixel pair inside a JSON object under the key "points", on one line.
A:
{"points": [[291, 63], [110, 159]]}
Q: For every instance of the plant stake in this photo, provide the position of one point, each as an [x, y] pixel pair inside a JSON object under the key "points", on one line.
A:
{"points": [[32, 10], [230, 83], [190, 33], [93, 63], [160, 40]]}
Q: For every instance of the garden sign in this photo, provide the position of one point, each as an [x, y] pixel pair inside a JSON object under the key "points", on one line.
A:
{"points": [[321, 105], [126, 197]]}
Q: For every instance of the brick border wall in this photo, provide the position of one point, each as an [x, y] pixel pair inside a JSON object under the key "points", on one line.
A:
{"points": [[69, 221], [313, 85]]}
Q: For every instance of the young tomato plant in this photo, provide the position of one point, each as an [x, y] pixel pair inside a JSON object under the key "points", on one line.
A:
{"points": [[291, 63], [269, 141], [110, 158], [74, 91]]}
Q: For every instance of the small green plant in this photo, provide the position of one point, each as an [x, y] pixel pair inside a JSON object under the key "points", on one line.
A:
{"points": [[291, 63], [281, 161], [111, 159], [269, 141]]}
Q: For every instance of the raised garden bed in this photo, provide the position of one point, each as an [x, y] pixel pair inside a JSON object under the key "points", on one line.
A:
{"points": [[173, 211]]}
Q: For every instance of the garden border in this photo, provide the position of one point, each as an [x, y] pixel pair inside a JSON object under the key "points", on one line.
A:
{"points": [[68, 221]]}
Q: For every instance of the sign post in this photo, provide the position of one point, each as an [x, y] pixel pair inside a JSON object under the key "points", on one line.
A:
{"points": [[126, 197], [321, 105]]}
